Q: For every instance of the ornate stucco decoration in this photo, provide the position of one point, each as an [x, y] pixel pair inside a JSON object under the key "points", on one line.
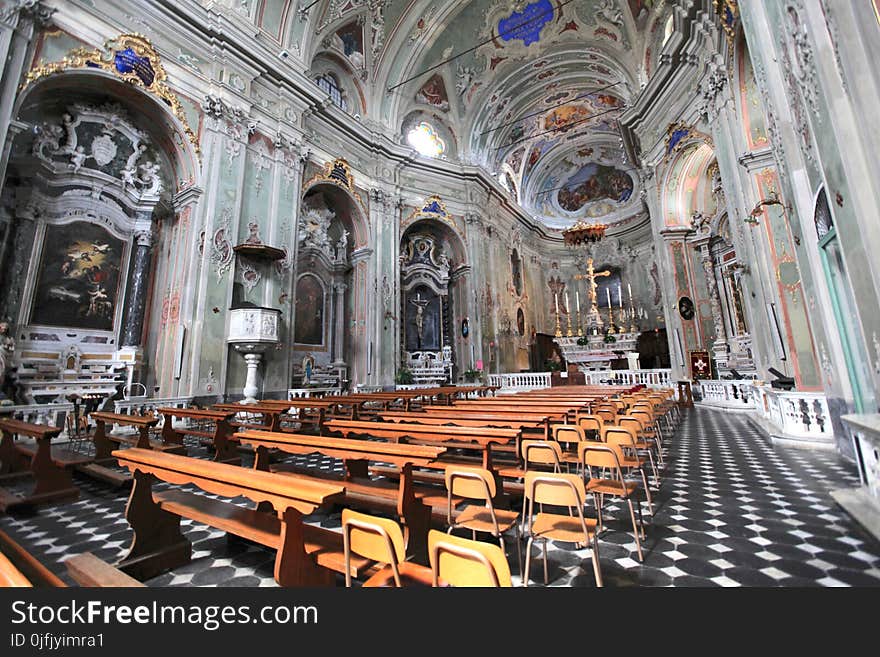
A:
{"points": [[679, 135], [338, 173], [130, 57], [728, 13], [432, 208]]}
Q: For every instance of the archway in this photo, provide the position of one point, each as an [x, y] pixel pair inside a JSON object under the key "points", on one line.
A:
{"points": [[331, 227], [90, 183], [434, 327]]}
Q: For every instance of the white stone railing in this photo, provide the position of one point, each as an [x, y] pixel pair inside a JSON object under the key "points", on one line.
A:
{"points": [[734, 394], [49, 414], [520, 381], [863, 503], [298, 393], [796, 414], [659, 378]]}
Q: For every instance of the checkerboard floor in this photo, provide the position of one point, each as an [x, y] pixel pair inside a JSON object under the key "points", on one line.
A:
{"points": [[732, 510]]}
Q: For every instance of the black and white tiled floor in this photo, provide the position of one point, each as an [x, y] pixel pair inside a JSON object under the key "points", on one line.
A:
{"points": [[732, 511]]}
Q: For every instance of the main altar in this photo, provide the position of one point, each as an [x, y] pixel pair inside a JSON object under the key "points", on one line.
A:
{"points": [[595, 341]]}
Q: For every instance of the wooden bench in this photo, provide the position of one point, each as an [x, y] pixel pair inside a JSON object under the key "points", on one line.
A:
{"points": [[49, 466], [412, 506], [310, 412], [20, 568], [484, 441], [305, 555], [105, 442], [270, 415], [539, 425], [218, 438]]}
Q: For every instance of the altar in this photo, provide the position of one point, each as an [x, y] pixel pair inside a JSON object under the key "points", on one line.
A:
{"points": [[594, 353]]}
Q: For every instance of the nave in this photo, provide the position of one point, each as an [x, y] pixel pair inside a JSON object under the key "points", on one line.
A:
{"points": [[732, 510]]}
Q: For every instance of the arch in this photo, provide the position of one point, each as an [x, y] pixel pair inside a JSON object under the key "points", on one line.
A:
{"points": [[330, 63], [686, 186], [337, 184]]}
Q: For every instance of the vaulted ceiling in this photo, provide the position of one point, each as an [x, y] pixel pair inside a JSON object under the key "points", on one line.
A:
{"points": [[530, 90]]}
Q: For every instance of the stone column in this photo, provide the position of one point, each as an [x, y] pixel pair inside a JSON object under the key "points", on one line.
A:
{"points": [[719, 346], [139, 284], [339, 330]]}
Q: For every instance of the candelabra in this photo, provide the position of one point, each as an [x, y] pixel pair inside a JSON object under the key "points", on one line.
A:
{"points": [[580, 324], [632, 318], [568, 320], [558, 327], [622, 321], [611, 327]]}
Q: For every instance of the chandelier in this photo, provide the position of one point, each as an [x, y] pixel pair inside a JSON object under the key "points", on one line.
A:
{"points": [[583, 233]]}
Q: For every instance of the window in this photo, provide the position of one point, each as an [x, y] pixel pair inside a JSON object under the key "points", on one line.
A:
{"points": [[330, 86], [424, 138]]}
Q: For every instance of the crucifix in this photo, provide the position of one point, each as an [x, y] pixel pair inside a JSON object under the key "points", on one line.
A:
{"points": [[591, 276]]}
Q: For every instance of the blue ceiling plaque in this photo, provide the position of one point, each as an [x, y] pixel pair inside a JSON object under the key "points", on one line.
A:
{"points": [[526, 25]]}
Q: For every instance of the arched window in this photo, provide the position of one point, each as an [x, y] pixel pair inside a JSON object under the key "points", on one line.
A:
{"points": [[424, 138], [330, 85]]}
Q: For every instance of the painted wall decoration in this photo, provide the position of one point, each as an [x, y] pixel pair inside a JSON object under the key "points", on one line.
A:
{"points": [[526, 25], [516, 271], [309, 326], [594, 182], [78, 281], [433, 92]]}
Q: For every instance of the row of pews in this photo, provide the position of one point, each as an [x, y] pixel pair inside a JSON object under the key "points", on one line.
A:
{"points": [[398, 450]]}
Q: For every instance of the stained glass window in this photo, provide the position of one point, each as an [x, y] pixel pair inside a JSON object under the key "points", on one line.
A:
{"points": [[425, 140]]}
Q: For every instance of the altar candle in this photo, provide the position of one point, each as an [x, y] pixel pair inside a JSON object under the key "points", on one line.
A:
{"points": [[608, 295], [566, 303], [630, 290], [577, 300], [556, 295], [620, 296]]}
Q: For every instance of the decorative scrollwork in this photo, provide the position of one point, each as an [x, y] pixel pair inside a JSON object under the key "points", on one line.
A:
{"points": [[133, 59]]}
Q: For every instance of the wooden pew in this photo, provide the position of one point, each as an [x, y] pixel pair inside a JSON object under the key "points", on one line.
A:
{"points": [[49, 467], [484, 441], [361, 491], [306, 555], [105, 442], [19, 568], [453, 418], [219, 437], [310, 411], [270, 415]]}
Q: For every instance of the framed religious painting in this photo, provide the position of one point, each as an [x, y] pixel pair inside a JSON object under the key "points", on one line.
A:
{"points": [[701, 364]]}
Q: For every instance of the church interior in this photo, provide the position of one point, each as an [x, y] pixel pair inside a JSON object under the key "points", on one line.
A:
{"points": [[492, 293]]}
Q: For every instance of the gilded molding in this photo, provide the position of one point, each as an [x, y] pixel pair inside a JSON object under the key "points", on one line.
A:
{"points": [[131, 58]]}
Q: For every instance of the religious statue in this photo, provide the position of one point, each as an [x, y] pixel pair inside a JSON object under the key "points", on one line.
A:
{"points": [[420, 304], [78, 158]]}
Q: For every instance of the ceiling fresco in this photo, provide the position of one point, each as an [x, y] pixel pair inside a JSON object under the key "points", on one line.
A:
{"points": [[530, 85]]}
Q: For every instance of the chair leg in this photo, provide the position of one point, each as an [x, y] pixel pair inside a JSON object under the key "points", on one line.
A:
{"points": [[654, 468], [525, 576], [546, 575], [519, 561], [598, 503], [632, 514], [641, 519], [647, 492], [597, 571]]}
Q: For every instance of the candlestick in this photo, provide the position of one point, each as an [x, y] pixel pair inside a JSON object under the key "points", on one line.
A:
{"points": [[608, 295], [577, 300], [630, 290], [556, 297], [620, 296], [567, 308]]}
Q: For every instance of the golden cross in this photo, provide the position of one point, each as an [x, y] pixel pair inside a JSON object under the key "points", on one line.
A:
{"points": [[592, 275]]}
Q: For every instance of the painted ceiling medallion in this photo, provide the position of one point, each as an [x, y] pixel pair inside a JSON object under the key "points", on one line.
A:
{"points": [[526, 25]]}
